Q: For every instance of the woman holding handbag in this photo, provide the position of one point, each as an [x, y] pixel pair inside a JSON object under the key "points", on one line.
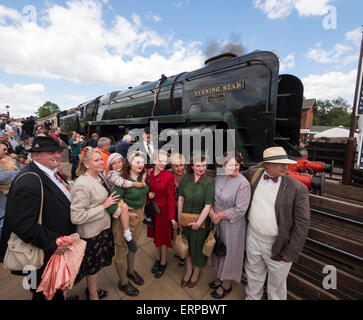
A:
{"points": [[162, 192], [231, 201], [178, 169], [196, 197]]}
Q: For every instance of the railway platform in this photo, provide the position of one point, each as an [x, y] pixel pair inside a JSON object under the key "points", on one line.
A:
{"points": [[165, 288], [335, 239]]}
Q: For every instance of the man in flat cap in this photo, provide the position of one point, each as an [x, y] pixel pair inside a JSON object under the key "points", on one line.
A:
{"points": [[24, 201], [278, 223]]}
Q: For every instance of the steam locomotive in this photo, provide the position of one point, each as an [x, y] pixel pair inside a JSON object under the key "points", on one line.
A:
{"points": [[244, 93]]}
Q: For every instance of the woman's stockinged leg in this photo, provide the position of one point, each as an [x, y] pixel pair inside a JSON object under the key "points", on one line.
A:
{"points": [[189, 269], [195, 276], [164, 252], [158, 253], [92, 284]]}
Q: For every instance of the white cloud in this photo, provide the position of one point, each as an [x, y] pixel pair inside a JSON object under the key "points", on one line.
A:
{"points": [[331, 56], [330, 85], [9, 14], [24, 100], [287, 63], [74, 98], [156, 18], [312, 7], [341, 54], [279, 9], [275, 9], [354, 36], [74, 43]]}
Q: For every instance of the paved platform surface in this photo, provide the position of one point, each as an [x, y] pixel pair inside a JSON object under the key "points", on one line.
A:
{"points": [[165, 288]]}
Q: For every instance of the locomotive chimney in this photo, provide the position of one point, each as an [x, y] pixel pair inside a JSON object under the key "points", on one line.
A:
{"points": [[220, 57]]}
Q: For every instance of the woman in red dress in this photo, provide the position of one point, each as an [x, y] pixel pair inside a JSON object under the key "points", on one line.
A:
{"points": [[162, 190]]}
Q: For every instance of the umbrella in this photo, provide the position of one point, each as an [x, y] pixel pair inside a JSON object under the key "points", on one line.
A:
{"points": [[61, 270]]}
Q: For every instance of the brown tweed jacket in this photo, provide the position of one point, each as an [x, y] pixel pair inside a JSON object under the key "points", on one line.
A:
{"points": [[292, 215]]}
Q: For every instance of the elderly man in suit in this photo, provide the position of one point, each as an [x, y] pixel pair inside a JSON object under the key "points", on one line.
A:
{"points": [[123, 146], [278, 223], [23, 206]]}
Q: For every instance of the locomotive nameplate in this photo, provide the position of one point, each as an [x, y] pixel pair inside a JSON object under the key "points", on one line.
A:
{"points": [[239, 85], [216, 98]]}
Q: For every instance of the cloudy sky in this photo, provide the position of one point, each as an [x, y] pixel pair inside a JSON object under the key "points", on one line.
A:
{"points": [[73, 51]]}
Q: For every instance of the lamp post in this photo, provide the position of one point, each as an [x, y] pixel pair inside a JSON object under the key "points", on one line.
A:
{"points": [[351, 144], [7, 108]]}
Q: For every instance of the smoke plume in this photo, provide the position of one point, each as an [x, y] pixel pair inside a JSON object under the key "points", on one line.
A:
{"points": [[233, 45]]}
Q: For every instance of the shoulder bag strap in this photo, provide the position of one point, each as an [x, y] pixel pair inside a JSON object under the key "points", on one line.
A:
{"points": [[256, 175], [41, 192]]}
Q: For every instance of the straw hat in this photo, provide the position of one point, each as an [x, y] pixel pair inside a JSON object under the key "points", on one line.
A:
{"points": [[276, 155]]}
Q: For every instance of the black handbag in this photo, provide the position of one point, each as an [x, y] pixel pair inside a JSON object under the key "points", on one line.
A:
{"points": [[220, 249], [151, 209]]}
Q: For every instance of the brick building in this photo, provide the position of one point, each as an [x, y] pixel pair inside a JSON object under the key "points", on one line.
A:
{"points": [[307, 115]]}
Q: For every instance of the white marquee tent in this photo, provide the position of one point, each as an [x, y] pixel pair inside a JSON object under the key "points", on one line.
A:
{"points": [[335, 133]]}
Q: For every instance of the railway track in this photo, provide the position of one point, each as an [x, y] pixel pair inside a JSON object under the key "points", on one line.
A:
{"points": [[334, 245]]}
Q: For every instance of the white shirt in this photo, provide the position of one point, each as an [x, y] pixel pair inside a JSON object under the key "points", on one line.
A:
{"points": [[151, 148], [50, 174], [262, 216], [269, 182]]}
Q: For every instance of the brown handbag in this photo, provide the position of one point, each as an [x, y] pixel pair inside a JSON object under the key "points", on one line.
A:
{"points": [[181, 245], [186, 218], [209, 243]]}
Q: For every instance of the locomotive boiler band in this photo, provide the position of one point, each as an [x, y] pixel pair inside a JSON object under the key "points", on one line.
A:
{"points": [[121, 167]]}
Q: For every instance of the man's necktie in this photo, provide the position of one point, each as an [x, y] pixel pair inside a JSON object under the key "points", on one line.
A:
{"points": [[148, 149], [60, 180], [266, 177]]}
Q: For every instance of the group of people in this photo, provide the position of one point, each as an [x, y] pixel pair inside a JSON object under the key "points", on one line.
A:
{"points": [[15, 146], [262, 215]]}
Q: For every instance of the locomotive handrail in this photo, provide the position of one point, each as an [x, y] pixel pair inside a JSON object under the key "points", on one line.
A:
{"points": [[132, 95]]}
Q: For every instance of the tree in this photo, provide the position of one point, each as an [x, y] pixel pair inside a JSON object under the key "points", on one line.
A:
{"points": [[332, 113], [47, 109]]}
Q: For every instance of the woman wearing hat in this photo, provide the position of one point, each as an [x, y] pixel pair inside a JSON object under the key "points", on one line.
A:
{"points": [[133, 170], [88, 211], [24, 148], [278, 223], [196, 196]]}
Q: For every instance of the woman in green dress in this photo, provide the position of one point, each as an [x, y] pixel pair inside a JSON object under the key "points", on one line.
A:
{"points": [[133, 170], [196, 195]]}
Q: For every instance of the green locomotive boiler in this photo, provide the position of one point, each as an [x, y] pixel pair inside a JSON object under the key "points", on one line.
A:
{"points": [[243, 93]]}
